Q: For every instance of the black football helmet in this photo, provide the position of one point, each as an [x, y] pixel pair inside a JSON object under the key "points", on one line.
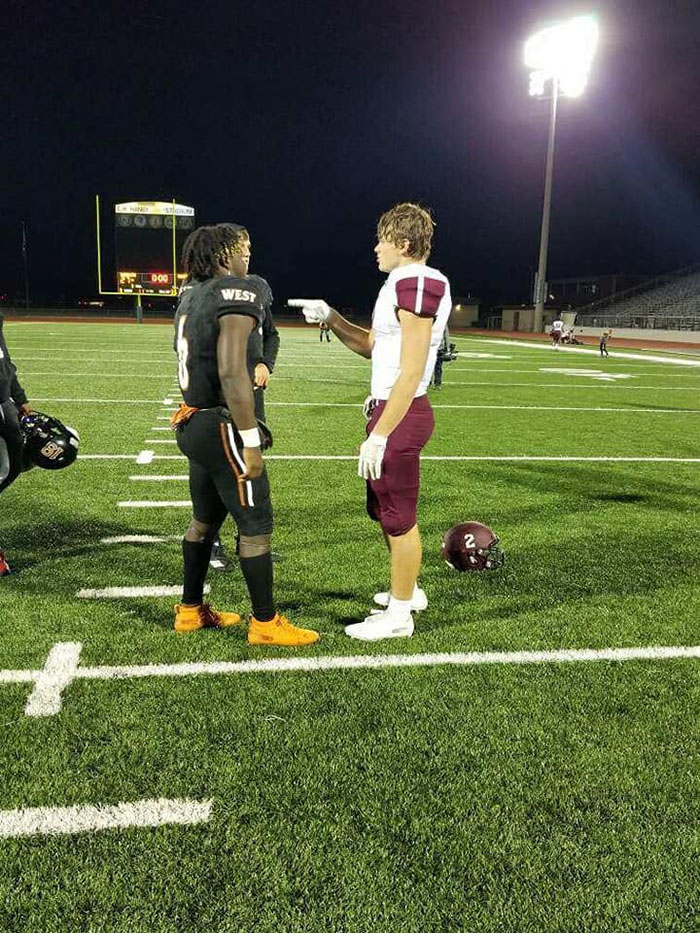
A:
{"points": [[471, 546], [48, 443]]}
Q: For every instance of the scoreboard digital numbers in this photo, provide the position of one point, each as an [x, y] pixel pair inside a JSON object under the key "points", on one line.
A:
{"points": [[148, 261]]}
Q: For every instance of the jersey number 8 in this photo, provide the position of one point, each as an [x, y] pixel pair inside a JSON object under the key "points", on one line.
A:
{"points": [[183, 350]]}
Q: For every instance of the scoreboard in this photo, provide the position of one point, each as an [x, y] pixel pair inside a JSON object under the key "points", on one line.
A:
{"points": [[148, 237]]}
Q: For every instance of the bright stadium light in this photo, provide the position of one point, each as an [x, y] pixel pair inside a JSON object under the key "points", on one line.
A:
{"points": [[560, 55]]}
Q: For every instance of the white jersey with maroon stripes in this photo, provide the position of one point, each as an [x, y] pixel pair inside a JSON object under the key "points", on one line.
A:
{"points": [[424, 291]]}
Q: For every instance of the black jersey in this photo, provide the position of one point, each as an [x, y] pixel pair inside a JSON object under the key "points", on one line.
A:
{"points": [[9, 385], [201, 306]]}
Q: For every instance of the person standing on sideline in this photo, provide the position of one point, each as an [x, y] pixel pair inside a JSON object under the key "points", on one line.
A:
{"points": [[324, 330], [217, 431], [440, 359], [605, 336], [409, 317]]}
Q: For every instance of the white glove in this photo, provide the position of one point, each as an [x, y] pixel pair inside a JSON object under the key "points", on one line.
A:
{"points": [[315, 310], [371, 455]]}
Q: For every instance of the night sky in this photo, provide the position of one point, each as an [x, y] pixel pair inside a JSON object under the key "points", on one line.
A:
{"points": [[305, 121]]}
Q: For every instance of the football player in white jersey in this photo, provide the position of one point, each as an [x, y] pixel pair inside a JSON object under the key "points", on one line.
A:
{"points": [[408, 321], [557, 331]]}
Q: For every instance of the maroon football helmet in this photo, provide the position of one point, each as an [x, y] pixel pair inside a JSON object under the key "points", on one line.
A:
{"points": [[471, 546]]}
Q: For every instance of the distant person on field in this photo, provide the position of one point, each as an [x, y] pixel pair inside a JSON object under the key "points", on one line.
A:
{"points": [[557, 332], [442, 352], [605, 336], [324, 329]]}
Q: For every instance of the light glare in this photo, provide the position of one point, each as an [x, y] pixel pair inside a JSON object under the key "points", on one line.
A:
{"points": [[563, 53]]}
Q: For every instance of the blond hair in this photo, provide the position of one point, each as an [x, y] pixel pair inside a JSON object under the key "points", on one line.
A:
{"points": [[407, 221]]}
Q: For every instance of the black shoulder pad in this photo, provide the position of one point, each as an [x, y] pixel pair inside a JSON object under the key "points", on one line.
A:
{"points": [[264, 286]]}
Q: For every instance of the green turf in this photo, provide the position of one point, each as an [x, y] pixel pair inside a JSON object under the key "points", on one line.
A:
{"points": [[546, 798]]}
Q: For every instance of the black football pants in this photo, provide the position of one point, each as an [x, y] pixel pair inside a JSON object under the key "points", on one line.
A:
{"points": [[213, 447]]}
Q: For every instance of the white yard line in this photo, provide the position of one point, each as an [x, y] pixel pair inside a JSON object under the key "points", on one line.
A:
{"points": [[146, 456], [155, 504], [54, 821], [84, 457], [132, 592], [569, 385], [140, 539], [436, 406], [353, 457], [179, 477], [350, 662], [98, 401], [59, 670], [61, 374]]}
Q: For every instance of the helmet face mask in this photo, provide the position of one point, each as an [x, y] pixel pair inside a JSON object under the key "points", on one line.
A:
{"points": [[48, 443], [471, 547]]}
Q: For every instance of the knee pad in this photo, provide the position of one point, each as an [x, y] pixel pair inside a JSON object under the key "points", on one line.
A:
{"points": [[254, 545]]}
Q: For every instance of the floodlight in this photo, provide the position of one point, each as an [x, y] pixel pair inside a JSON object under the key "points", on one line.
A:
{"points": [[562, 53]]}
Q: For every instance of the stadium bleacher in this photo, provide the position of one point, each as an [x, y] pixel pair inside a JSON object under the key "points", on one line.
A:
{"points": [[668, 303]]}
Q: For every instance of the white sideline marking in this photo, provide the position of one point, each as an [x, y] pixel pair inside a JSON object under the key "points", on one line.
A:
{"points": [[105, 457], [160, 428], [54, 821], [155, 504], [161, 440], [619, 354], [59, 670], [358, 662], [140, 539], [145, 457], [132, 592]]}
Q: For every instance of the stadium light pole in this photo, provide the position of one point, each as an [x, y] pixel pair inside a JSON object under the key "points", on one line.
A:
{"points": [[560, 55]]}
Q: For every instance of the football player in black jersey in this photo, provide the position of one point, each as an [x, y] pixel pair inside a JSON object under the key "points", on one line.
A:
{"points": [[263, 347], [218, 433], [13, 402]]}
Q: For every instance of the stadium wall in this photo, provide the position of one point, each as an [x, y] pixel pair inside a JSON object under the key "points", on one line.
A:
{"points": [[638, 333]]}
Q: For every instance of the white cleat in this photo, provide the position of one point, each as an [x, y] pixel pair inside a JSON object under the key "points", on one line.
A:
{"points": [[418, 603], [380, 625]]}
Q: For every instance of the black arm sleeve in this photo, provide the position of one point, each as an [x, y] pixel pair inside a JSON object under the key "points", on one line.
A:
{"points": [[271, 341]]}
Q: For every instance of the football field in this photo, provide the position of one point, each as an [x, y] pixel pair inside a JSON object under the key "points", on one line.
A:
{"points": [[528, 762]]}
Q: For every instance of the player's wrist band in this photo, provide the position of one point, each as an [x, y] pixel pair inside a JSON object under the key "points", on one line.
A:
{"points": [[251, 437]]}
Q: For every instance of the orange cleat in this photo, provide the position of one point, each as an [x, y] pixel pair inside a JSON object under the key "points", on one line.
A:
{"points": [[192, 618], [279, 631]]}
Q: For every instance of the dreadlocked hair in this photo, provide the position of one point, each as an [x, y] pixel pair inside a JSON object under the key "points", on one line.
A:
{"points": [[206, 248]]}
